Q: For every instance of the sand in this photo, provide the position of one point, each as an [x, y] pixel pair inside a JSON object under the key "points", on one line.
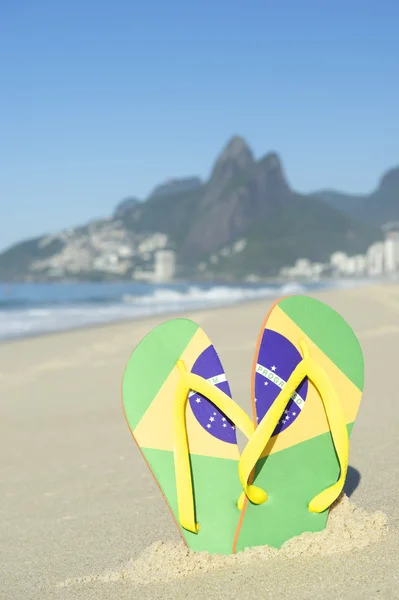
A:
{"points": [[80, 515], [349, 528]]}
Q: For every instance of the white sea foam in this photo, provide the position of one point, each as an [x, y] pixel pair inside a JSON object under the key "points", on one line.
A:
{"points": [[218, 295], [159, 300]]}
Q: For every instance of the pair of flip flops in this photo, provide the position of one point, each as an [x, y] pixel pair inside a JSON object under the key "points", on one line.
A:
{"points": [[307, 382]]}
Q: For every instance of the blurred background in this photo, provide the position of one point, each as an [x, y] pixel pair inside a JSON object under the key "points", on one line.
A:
{"points": [[162, 156]]}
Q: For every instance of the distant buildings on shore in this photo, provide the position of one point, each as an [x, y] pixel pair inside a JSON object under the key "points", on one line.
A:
{"points": [[104, 248], [381, 258], [164, 267]]}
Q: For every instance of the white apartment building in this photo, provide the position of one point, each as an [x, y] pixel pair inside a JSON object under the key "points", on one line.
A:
{"points": [[391, 247], [303, 269], [354, 266], [165, 265], [338, 261], [360, 264], [375, 259], [381, 257]]}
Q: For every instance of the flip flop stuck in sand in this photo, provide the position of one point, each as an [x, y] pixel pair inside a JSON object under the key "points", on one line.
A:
{"points": [[178, 406], [307, 383]]}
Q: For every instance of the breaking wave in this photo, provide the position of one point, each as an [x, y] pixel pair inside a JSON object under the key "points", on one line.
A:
{"points": [[32, 309]]}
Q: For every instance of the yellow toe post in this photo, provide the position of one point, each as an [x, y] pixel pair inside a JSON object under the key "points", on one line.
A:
{"points": [[255, 494], [262, 435], [336, 419], [339, 434], [184, 485]]}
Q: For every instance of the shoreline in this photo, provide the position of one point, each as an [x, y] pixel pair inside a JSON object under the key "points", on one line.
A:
{"points": [[161, 316], [169, 313]]}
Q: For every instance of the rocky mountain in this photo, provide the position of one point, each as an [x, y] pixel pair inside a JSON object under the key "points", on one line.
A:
{"points": [[251, 202], [125, 206], [240, 192], [245, 219], [176, 186], [379, 207]]}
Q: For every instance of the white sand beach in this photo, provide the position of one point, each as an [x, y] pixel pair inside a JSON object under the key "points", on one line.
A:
{"points": [[82, 518]]}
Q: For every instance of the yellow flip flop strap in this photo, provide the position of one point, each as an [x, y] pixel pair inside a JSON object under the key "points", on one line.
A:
{"points": [[336, 420], [184, 485]]}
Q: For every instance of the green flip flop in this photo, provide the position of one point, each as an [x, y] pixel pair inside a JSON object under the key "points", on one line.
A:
{"points": [[178, 407], [307, 384]]}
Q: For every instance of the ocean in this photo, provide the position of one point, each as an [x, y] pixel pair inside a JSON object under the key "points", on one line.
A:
{"points": [[28, 309]]}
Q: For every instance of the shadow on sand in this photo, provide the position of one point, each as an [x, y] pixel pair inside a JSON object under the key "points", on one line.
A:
{"points": [[352, 481]]}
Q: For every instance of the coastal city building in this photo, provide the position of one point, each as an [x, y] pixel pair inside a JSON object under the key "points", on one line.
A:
{"points": [[165, 265], [381, 258], [375, 259], [104, 247], [391, 247], [305, 269], [164, 268]]}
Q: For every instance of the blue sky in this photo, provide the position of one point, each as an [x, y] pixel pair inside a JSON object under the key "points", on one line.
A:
{"points": [[101, 100]]}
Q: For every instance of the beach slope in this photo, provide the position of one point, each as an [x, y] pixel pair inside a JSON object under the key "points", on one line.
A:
{"points": [[78, 500]]}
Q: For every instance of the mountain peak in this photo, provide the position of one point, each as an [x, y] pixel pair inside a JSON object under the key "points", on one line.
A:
{"points": [[272, 168], [238, 151], [125, 206], [236, 146], [235, 157], [390, 180], [272, 161], [176, 185]]}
